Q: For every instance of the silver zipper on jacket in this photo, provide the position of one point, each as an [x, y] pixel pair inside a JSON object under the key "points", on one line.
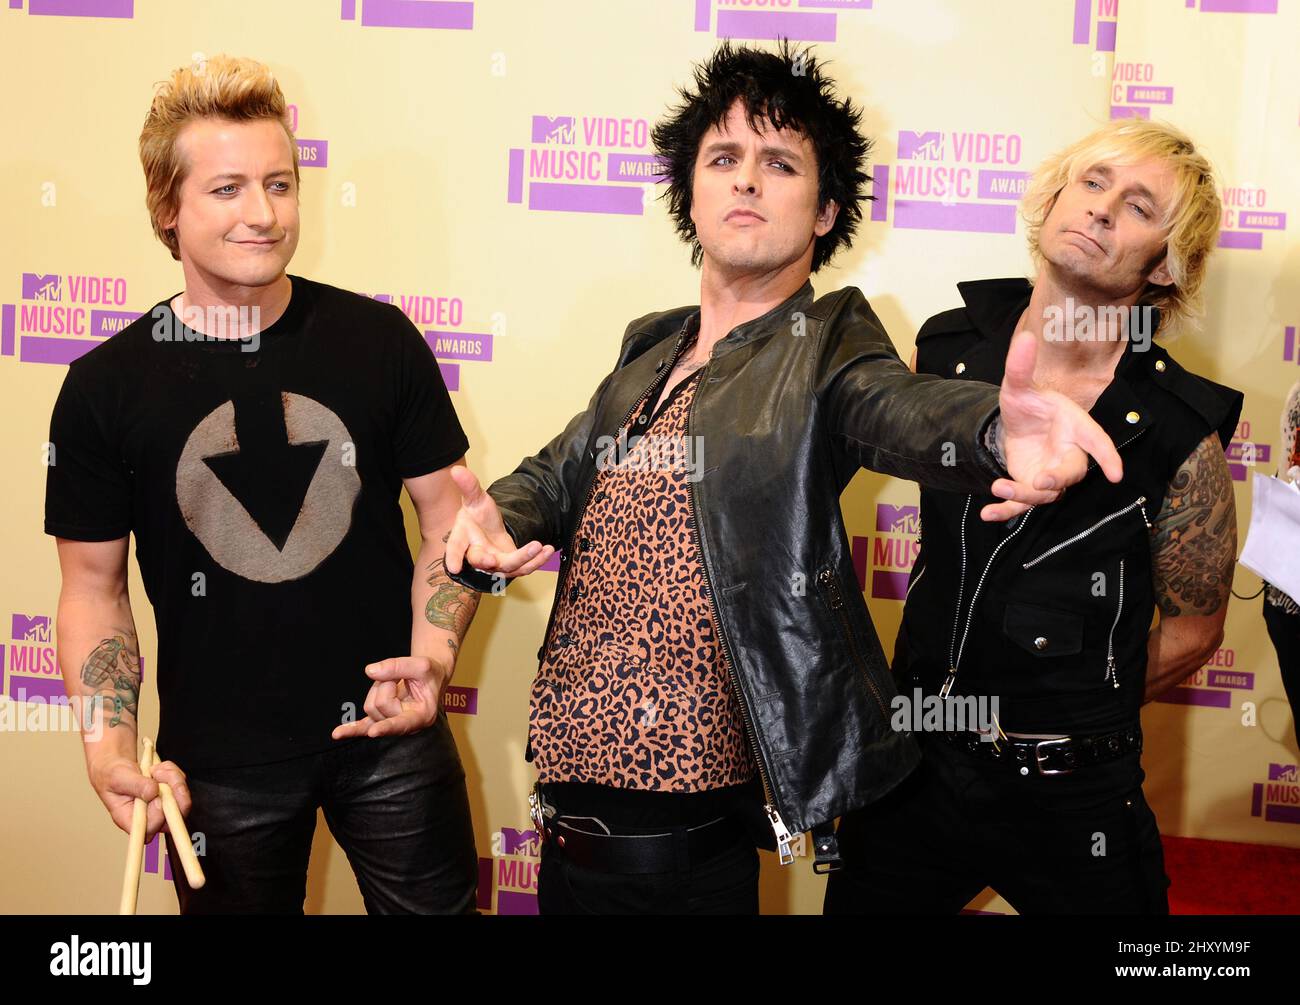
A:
{"points": [[1110, 641], [955, 662], [784, 839], [1138, 502]]}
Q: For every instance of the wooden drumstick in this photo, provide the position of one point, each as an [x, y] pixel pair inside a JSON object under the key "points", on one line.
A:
{"points": [[135, 843], [180, 833]]}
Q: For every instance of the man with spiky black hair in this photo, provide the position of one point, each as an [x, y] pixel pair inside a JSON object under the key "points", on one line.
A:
{"points": [[710, 677]]}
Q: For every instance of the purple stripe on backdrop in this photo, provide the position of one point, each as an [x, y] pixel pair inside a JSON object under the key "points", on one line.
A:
{"points": [[913, 214], [106, 323], [1257, 800], [483, 356], [1081, 12], [46, 689], [1282, 814], [349, 10], [1197, 696], [7, 330], [880, 189], [1106, 36], [889, 585], [1139, 94], [836, 4], [15, 4], [701, 15], [509, 902], [1238, 679], [628, 163], [83, 8], [515, 180], [762, 25], [61, 351], [1262, 451], [1251, 220], [151, 853], [1239, 6], [1131, 112], [1288, 343], [464, 699], [1009, 184], [620, 199], [313, 153], [1250, 239], [450, 375], [457, 14]]}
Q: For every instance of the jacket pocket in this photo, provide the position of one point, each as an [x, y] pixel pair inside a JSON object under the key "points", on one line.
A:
{"points": [[828, 586], [1043, 631]]}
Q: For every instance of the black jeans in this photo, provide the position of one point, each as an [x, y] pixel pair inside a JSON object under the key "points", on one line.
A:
{"points": [[396, 805], [1080, 843], [1284, 631], [726, 883]]}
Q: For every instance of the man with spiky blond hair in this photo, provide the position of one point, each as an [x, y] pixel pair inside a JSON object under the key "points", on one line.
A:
{"points": [[1048, 620], [254, 432]]}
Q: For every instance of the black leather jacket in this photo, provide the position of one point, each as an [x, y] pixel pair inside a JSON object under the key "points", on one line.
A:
{"points": [[790, 406]]}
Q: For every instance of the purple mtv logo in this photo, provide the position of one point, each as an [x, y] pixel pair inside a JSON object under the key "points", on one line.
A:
{"points": [[897, 519], [527, 842], [40, 287], [31, 629], [1283, 773], [553, 130], [927, 146]]}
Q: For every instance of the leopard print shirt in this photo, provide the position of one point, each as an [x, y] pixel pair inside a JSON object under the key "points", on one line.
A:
{"points": [[633, 692]]}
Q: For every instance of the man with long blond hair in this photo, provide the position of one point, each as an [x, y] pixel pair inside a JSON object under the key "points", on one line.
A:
{"points": [[254, 432], [1045, 624]]}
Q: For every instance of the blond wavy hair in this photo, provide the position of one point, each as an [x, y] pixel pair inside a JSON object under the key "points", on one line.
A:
{"points": [[1191, 220], [223, 87]]}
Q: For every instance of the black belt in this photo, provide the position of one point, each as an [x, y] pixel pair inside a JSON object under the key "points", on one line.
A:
{"points": [[1051, 757], [581, 844]]}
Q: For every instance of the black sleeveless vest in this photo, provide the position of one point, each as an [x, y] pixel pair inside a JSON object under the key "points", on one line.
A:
{"points": [[1050, 612]]}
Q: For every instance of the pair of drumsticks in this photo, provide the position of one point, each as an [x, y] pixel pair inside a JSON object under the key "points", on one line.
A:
{"points": [[175, 824]]}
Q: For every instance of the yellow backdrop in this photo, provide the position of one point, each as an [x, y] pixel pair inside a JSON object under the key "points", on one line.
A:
{"points": [[485, 165]]}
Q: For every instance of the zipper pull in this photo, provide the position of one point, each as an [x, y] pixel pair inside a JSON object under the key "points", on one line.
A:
{"points": [[1110, 672], [1142, 508], [783, 835], [947, 685]]}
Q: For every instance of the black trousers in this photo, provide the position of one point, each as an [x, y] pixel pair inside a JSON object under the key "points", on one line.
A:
{"points": [[726, 883], [1284, 630], [396, 805], [1080, 843]]}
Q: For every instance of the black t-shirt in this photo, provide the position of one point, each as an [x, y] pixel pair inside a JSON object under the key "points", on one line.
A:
{"points": [[263, 489]]}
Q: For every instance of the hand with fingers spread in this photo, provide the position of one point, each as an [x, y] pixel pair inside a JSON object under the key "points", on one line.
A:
{"points": [[118, 782], [480, 538], [1046, 439]]}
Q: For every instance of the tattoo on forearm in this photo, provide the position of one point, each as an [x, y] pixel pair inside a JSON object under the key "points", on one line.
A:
{"points": [[113, 670], [451, 606], [1194, 536]]}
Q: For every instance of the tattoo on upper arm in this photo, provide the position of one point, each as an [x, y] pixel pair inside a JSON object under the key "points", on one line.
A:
{"points": [[1194, 536], [113, 670], [451, 607]]}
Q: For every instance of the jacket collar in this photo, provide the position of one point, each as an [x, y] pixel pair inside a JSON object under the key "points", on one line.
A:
{"points": [[759, 327], [995, 305]]}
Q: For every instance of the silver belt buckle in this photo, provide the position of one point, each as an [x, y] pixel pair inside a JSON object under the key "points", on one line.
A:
{"points": [[535, 811], [1038, 757]]}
